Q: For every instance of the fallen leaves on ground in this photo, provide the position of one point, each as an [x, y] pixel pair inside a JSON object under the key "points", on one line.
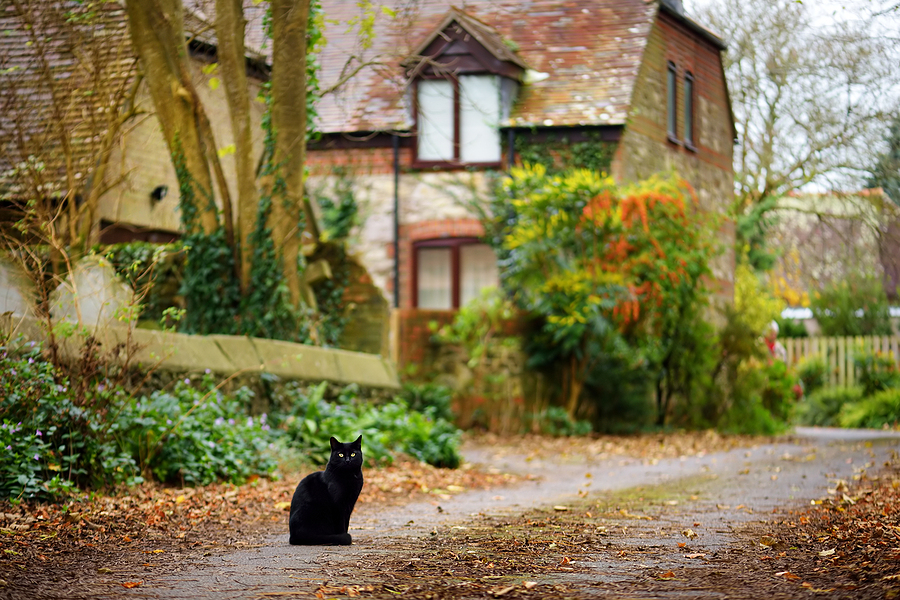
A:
{"points": [[151, 524], [648, 447], [846, 543], [145, 530]]}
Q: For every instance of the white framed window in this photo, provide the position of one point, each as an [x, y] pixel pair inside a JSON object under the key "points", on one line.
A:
{"points": [[436, 99], [451, 272], [458, 120], [435, 282]]}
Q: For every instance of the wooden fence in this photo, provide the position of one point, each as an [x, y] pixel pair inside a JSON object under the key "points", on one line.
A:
{"points": [[839, 352]]}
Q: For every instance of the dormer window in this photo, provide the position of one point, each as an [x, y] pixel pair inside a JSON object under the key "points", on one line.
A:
{"points": [[458, 119], [466, 78]]}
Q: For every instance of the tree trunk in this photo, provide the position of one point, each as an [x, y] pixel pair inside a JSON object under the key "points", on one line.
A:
{"points": [[230, 26], [157, 32], [575, 385], [290, 20]]}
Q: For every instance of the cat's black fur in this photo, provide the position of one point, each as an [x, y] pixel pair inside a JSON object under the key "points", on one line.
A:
{"points": [[323, 501]]}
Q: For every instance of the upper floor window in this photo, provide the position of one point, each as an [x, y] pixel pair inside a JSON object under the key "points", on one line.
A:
{"points": [[451, 272], [458, 119], [689, 110], [672, 102]]}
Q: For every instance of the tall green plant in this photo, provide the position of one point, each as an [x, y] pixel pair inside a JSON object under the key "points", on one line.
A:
{"points": [[598, 264], [855, 307]]}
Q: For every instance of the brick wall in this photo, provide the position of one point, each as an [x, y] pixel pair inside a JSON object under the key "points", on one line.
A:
{"points": [[361, 161], [416, 352], [428, 230], [645, 148]]}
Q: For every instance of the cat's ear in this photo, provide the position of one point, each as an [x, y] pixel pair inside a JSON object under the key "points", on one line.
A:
{"points": [[358, 442], [334, 443]]}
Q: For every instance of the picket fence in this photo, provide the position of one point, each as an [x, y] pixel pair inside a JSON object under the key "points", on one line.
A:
{"points": [[839, 352]]}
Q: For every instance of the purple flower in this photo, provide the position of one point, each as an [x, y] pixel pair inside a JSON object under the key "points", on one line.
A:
{"points": [[38, 433], [9, 447], [231, 421], [101, 387], [207, 371], [36, 457], [187, 381], [249, 421]]}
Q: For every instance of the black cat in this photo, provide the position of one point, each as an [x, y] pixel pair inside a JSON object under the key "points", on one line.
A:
{"points": [[323, 501]]}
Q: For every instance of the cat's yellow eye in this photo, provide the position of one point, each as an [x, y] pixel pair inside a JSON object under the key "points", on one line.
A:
{"points": [[352, 454], [341, 455]]}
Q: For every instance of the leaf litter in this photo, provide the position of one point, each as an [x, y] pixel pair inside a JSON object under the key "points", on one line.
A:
{"points": [[94, 541]]}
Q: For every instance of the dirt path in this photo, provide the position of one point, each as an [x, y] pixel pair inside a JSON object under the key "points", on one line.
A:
{"points": [[670, 528]]}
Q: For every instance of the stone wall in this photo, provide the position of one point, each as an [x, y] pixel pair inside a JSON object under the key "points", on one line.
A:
{"points": [[432, 205], [224, 355], [16, 291]]}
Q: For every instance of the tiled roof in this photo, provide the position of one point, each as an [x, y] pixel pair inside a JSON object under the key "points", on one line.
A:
{"points": [[88, 59], [588, 50], [591, 51], [487, 36]]}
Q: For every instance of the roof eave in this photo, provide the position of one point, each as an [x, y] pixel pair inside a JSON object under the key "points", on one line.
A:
{"points": [[706, 34]]}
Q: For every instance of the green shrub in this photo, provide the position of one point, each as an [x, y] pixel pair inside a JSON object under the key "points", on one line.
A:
{"points": [[431, 399], [876, 372], [876, 411], [781, 391], [154, 271], [813, 374], [757, 389], [388, 428], [858, 306], [556, 421], [188, 436], [822, 407], [751, 418], [54, 438], [790, 328]]}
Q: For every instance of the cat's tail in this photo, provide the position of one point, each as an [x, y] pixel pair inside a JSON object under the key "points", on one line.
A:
{"points": [[313, 539]]}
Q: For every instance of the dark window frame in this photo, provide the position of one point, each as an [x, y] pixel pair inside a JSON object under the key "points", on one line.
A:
{"points": [[454, 244], [456, 162], [672, 102], [690, 127]]}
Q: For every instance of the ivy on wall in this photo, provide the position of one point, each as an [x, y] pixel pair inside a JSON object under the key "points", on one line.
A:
{"points": [[210, 289], [154, 272], [558, 155]]}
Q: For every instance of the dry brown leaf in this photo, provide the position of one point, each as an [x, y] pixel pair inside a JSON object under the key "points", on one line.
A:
{"points": [[787, 575], [501, 591], [667, 575]]}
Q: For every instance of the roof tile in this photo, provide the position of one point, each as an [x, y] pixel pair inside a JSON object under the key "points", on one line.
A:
{"points": [[591, 50]]}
